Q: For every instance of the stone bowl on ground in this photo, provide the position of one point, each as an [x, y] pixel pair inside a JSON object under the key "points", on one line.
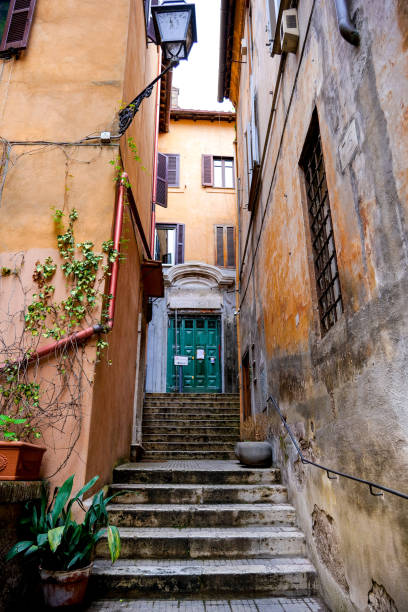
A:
{"points": [[254, 454]]}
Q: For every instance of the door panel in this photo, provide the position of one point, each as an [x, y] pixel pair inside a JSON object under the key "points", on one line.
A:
{"points": [[199, 339]]}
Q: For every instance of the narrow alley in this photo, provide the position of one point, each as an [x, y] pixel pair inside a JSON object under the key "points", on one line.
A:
{"points": [[203, 314]]}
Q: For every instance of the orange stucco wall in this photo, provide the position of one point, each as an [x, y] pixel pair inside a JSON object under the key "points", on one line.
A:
{"points": [[211, 206], [67, 85]]}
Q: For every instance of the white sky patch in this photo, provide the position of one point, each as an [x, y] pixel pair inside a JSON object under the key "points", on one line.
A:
{"points": [[197, 78]]}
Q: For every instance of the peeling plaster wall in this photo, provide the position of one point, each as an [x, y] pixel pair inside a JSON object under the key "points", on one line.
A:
{"points": [[345, 394]]}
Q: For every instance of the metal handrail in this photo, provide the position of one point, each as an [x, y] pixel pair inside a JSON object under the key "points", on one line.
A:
{"points": [[332, 474]]}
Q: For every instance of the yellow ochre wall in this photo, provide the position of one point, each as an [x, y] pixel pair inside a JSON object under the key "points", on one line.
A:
{"points": [[79, 66], [199, 208]]}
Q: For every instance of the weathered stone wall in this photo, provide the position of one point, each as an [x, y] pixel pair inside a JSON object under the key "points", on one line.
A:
{"points": [[345, 394]]}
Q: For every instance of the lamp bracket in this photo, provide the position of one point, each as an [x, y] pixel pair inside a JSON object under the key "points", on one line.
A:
{"points": [[127, 114]]}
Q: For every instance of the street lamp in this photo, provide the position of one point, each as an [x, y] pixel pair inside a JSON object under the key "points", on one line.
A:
{"points": [[176, 30]]}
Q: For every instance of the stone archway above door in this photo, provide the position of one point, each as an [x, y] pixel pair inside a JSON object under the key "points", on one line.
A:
{"points": [[196, 285]]}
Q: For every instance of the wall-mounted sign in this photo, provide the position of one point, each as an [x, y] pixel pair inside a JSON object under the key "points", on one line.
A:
{"points": [[200, 354], [212, 359], [180, 360]]}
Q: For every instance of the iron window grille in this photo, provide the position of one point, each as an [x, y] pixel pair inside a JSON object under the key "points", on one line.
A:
{"points": [[321, 229]]}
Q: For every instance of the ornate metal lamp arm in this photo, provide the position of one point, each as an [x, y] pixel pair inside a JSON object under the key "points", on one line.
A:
{"points": [[126, 114]]}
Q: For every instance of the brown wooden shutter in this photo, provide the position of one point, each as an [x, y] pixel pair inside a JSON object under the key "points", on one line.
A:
{"points": [[180, 243], [173, 170], [207, 170], [220, 245], [230, 247], [18, 25], [162, 183]]}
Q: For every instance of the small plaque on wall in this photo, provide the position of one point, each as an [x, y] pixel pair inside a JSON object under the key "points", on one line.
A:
{"points": [[180, 360]]}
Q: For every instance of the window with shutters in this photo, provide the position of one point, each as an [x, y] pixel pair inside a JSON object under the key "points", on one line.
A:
{"points": [[218, 172], [16, 17], [321, 229], [225, 246], [173, 170], [169, 243]]}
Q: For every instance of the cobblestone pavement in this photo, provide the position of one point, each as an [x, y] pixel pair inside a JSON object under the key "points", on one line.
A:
{"points": [[274, 604]]}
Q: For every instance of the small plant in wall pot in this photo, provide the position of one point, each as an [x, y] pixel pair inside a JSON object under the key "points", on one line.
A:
{"points": [[63, 547], [19, 458]]}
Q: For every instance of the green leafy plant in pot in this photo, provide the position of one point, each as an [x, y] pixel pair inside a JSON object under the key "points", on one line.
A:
{"points": [[19, 458], [64, 547]]}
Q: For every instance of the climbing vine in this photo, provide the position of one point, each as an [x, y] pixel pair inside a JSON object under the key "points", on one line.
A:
{"points": [[33, 401]]}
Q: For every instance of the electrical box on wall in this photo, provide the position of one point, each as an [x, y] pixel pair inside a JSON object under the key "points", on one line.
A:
{"points": [[289, 32], [244, 48]]}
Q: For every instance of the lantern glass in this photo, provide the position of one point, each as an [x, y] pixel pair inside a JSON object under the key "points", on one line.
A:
{"points": [[175, 26]]}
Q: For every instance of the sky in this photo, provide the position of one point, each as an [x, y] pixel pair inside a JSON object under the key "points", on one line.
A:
{"points": [[197, 78]]}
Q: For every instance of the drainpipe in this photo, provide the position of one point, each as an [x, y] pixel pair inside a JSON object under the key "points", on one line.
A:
{"points": [[238, 290], [88, 332], [155, 151], [346, 27]]}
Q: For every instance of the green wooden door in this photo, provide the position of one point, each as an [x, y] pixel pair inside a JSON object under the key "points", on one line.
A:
{"points": [[199, 339]]}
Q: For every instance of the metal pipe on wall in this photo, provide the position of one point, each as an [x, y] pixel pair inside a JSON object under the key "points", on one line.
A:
{"points": [[84, 334], [346, 27]]}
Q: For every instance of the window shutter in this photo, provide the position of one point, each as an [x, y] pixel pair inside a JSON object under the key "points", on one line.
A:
{"points": [[230, 247], [271, 21], [207, 171], [162, 182], [150, 27], [173, 168], [220, 245], [254, 125], [180, 243], [18, 24]]}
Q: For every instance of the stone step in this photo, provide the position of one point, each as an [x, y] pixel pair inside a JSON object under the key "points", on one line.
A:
{"points": [[174, 440], [190, 445], [199, 398], [197, 419], [192, 430], [194, 472], [191, 604], [193, 396], [204, 412], [178, 416], [151, 455], [200, 406], [207, 543], [200, 515], [136, 577], [199, 494]]}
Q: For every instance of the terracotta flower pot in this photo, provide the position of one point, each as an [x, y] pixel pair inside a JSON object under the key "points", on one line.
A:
{"points": [[61, 589], [20, 461]]}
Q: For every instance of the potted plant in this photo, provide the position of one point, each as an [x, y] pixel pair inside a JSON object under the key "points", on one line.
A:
{"points": [[64, 547], [254, 450], [19, 460]]}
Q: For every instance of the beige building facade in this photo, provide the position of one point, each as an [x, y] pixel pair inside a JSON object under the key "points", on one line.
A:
{"points": [[196, 238], [322, 186], [59, 91]]}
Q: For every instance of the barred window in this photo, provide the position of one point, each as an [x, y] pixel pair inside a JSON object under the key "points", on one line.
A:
{"points": [[321, 229]]}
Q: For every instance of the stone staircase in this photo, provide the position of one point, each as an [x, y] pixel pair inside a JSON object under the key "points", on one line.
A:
{"points": [[189, 426], [194, 523]]}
